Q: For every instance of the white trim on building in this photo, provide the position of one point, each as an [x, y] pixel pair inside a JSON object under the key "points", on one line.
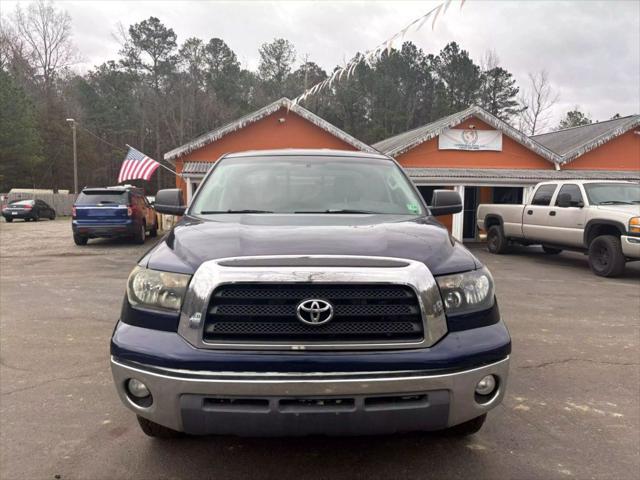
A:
{"points": [[457, 226], [193, 182]]}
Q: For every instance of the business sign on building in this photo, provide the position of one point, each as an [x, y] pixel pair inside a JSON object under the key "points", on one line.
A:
{"points": [[462, 139]]}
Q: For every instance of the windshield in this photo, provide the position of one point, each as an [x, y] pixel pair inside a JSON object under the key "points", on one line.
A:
{"points": [[613, 193], [21, 203], [306, 185]]}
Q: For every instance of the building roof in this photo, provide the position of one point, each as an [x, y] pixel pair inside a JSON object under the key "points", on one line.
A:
{"points": [[570, 143], [512, 176], [201, 168], [253, 117], [403, 142], [196, 168]]}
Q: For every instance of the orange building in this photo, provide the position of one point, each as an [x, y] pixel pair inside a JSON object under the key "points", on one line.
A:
{"points": [[488, 161], [472, 151], [281, 124]]}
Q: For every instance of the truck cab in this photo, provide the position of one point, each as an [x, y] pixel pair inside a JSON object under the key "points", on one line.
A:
{"points": [[309, 292]]}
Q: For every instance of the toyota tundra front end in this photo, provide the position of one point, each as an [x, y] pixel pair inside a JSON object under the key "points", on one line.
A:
{"points": [[309, 292]]}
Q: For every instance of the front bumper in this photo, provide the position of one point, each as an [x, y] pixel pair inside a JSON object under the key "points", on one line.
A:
{"points": [[630, 246], [273, 404]]}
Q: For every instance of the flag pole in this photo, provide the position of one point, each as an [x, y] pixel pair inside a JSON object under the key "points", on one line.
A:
{"points": [[163, 166]]}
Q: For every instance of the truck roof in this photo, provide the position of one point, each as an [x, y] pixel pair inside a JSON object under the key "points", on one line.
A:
{"points": [[308, 152]]}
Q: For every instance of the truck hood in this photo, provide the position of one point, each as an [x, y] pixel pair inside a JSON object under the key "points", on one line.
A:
{"points": [[630, 210], [194, 240]]}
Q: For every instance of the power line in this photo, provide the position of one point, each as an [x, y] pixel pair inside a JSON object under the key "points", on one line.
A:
{"points": [[99, 138], [120, 148]]}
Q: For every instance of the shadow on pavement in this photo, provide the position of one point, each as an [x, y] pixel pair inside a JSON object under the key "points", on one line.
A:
{"points": [[392, 456]]}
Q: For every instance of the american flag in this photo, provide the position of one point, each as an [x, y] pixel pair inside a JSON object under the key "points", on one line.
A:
{"points": [[137, 165]]}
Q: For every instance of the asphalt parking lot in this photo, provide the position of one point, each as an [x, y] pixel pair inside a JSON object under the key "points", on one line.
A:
{"points": [[572, 408]]}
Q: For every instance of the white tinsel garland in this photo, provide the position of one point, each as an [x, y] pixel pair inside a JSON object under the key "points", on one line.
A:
{"points": [[371, 55]]}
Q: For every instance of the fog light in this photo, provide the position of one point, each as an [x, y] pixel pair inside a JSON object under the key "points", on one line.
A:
{"points": [[137, 388], [486, 385]]}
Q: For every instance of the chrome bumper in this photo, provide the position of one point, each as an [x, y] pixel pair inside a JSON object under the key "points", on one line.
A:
{"points": [[630, 247], [182, 399]]}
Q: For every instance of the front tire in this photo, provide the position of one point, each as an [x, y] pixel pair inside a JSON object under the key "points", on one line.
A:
{"points": [[152, 429], [154, 231], [467, 428], [551, 251], [496, 241], [605, 256]]}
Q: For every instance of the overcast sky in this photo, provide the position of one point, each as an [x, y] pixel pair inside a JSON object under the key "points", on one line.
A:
{"points": [[590, 49]]}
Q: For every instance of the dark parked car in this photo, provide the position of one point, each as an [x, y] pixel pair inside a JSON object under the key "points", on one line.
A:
{"points": [[28, 210], [113, 212]]}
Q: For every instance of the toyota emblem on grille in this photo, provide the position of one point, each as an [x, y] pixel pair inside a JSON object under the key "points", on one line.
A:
{"points": [[314, 311]]}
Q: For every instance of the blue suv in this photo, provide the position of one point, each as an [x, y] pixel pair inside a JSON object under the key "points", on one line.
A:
{"points": [[113, 212]]}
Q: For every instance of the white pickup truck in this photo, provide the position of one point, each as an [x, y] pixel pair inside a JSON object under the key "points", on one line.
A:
{"points": [[600, 218]]}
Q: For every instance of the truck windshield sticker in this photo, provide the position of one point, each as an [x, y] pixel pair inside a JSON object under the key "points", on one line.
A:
{"points": [[413, 207]]}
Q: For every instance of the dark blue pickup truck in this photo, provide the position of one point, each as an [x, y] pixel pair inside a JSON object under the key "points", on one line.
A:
{"points": [[309, 292]]}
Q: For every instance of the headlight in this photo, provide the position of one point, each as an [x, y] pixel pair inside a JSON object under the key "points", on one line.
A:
{"points": [[155, 289], [634, 225], [467, 292]]}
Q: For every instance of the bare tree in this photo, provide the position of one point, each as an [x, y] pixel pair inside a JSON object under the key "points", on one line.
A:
{"points": [[7, 43], [13, 56], [537, 102], [46, 33]]}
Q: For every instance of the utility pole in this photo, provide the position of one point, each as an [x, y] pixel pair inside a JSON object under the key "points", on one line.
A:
{"points": [[75, 155]]}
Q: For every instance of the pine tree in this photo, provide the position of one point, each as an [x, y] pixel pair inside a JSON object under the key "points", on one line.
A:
{"points": [[20, 144], [574, 118], [459, 78], [276, 62], [498, 93]]}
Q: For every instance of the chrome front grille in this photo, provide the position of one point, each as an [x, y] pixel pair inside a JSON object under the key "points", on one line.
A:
{"points": [[251, 303], [362, 312]]}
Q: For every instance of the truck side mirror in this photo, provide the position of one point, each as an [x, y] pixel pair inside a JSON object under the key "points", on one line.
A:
{"points": [[564, 200], [170, 201], [445, 202]]}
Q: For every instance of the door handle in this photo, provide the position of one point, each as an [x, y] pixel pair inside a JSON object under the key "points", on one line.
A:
{"points": [[529, 212], [552, 213]]}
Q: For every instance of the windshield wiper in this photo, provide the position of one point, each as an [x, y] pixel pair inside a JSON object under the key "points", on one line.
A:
{"points": [[344, 210], [614, 202], [211, 212]]}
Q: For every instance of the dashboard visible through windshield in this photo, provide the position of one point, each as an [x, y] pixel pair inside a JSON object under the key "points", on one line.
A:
{"points": [[306, 185]]}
